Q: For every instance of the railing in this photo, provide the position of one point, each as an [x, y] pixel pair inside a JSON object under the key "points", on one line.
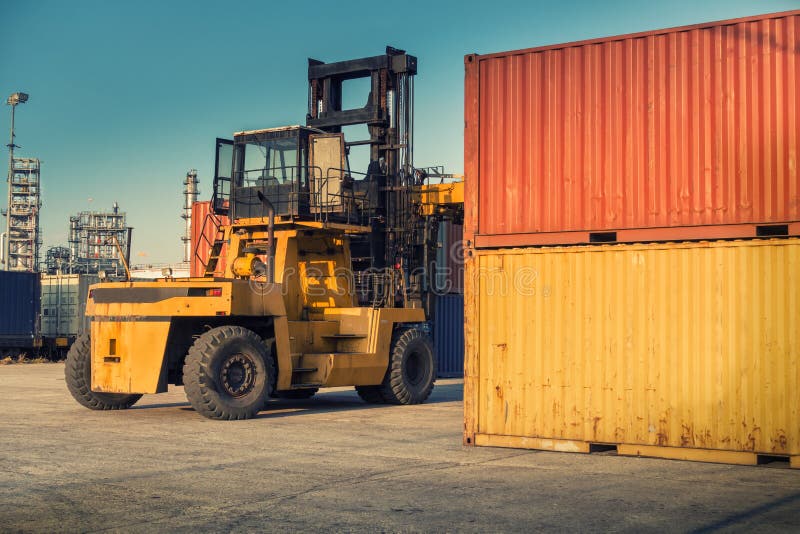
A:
{"points": [[371, 287], [299, 191], [341, 205], [216, 223]]}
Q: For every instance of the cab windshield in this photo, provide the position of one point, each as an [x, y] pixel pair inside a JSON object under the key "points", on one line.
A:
{"points": [[269, 162]]}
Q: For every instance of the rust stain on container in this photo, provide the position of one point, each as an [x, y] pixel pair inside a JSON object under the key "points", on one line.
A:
{"points": [[680, 346], [677, 128]]}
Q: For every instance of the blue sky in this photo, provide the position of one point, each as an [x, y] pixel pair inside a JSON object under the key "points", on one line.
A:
{"points": [[127, 96]]}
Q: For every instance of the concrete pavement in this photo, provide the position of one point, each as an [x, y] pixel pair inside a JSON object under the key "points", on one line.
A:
{"points": [[335, 463]]}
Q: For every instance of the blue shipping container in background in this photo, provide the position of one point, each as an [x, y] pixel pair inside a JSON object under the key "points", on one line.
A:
{"points": [[19, 309], [448, 334]]}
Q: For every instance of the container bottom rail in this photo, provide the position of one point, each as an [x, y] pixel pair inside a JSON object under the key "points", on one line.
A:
{"points": [[648, 451]]}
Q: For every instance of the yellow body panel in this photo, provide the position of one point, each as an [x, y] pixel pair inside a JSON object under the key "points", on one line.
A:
{"points": [[131, 320], [128, 356], [693, 345], [362, 360], [169, 298], [378, 325], [432, 197], [284, 356], [313, 266]]}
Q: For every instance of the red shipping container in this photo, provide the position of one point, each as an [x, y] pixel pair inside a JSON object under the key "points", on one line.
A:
{"points": [[205, 230], [683, 133]]}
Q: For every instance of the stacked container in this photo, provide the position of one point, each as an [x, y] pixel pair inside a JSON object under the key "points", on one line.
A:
{"points": [[448, 301], [681, 339], [19, 310], [449, 274]]}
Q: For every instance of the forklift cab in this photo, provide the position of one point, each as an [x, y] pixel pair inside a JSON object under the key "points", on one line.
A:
{"points": [[301, 171]]}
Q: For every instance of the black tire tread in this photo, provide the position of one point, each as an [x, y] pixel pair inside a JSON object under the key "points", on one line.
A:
{"points": [[198, 361], [394, 390], [78, 376]]}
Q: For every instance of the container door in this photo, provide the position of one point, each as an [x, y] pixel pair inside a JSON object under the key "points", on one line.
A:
{"points": [[326, 166], [70, 309], [49, 308]]}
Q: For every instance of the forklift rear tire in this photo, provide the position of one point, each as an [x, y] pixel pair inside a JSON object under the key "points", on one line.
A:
{"points": [[78, 375], [411, 373], [228, 373], [412, 368]]}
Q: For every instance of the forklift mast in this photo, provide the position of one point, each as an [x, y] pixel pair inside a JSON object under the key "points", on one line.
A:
{"points": [[304, 172], [389, 255]]}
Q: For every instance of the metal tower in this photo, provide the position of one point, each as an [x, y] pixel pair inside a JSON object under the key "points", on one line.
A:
{"points": [[190, 193], [24, 203]]}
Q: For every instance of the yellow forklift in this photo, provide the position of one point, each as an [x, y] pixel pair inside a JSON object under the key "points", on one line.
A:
{"points": [[321, 279]]}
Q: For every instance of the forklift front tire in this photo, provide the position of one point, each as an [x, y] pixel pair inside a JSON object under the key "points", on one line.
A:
{"points": [[412, 368], [228, 373]]}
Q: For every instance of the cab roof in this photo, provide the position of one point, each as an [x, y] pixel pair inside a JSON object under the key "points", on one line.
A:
{"points": [[277, 129]]}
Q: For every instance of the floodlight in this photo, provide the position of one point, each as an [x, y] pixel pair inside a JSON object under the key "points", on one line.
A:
{"points": [[17, 98]]}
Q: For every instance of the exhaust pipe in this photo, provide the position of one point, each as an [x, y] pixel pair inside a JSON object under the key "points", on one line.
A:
{"points": [[271, 236]]}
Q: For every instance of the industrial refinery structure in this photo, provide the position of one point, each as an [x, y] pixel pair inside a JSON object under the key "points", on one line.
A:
{"points": [[96, 239], [56, 260], [24, 201], [93, 239]]}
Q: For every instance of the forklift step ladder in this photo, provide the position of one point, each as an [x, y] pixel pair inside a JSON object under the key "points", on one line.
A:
{"points": [[301, 374]]}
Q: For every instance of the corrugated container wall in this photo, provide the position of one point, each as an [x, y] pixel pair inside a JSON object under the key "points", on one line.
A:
{"points": [[64, 304], [204, 232], [448, 334], [679, 350], [670, 130], [449, 276], [19, 309]]}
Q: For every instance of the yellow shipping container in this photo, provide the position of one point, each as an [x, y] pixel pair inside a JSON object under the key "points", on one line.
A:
{"points": [[687, 350]]}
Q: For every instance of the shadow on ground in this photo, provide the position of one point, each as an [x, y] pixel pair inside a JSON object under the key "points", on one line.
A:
{"points": [[751, 516], [325, 402]]}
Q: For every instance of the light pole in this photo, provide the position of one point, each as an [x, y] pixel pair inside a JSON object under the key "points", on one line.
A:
{"points": [[13, 100]]}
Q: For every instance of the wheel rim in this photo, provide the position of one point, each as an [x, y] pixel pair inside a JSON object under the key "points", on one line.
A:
{"points": [[415, 368], [238, 375]]}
